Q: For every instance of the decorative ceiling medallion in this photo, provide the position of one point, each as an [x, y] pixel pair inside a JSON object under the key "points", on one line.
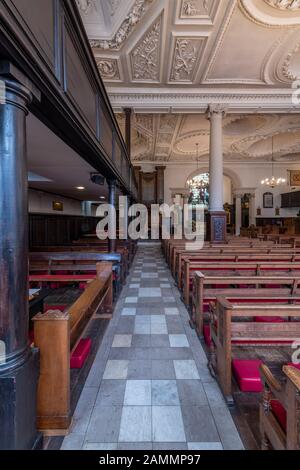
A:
{"points": [[195, 8], [284, 4], [255, 11], [185, 59], [108, 69], [134, 16], [145, 57]]}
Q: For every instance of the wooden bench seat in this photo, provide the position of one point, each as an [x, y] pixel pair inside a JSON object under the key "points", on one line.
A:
{"points": [[57, 335], [291, 256], [231, 326], [231, 269], [46, 259]]}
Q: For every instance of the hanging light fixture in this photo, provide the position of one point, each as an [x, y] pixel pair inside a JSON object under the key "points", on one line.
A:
{"points": [[273, 182]]}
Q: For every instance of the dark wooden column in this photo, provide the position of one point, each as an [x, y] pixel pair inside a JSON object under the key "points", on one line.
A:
{"points": [[18, 362], [128, 114], [112, 244], [160, 184]]}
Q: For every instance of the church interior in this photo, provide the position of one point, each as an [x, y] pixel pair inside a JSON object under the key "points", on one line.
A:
{"points": [[149, 343]]}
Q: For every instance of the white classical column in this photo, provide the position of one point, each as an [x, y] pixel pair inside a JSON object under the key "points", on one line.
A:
{"points": [[216, 226], [238, 213], [252, 210], [216, 182]]}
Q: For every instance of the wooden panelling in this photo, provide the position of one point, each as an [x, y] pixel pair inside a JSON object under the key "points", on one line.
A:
{"points": [[78, 84], [55, 230], [38, 18]]}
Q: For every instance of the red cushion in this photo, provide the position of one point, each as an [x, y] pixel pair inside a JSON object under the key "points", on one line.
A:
{"points": [[280, 413], [297, 366], [269, 320], [62, 308], [207, 335], [247, 375], [80, 354]]}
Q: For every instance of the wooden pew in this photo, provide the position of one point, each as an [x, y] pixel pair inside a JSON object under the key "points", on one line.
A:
{"points": [[275, 250], [276, 435], [57, 335], [230, 269], [45, 259], [204, 293], [234, 257], [227, 332], [122, 257]]}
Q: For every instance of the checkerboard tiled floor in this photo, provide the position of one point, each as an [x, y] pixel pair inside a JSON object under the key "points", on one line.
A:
{"points": [[149, 387]]}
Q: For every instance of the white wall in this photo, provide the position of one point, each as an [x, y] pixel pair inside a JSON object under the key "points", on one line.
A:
{"points": [[243, 175], [40, 202]]}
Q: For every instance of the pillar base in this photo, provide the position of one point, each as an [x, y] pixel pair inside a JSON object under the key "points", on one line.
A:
{"points": [[216, 227], [18, 407]]}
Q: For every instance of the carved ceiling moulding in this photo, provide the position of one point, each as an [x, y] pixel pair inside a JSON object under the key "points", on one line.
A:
{"points": [[109, 69], [195, 8], [284, 4], [185, 59], [85, 6], [145, 57], [256, 12], [291, 70], [132, 19]]}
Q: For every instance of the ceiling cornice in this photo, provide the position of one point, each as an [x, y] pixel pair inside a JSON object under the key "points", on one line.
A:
{"points": [[197, 101]]}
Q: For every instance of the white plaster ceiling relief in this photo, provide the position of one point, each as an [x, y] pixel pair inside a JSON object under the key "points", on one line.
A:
{"points": [[291, 64], [145, 122], [108, 68], [185, 57], [273, 13], [132, 19], [261, 146], [168, 122], [243, 125], [284, 4], [114, 5], [195, 7], [86, 6], [145, 57]]}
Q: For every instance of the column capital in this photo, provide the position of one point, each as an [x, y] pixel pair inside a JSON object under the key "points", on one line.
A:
{"points": [[217, 110]]}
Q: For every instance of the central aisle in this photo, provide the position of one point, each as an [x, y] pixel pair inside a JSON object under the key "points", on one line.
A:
{"points": [[149, 387]]}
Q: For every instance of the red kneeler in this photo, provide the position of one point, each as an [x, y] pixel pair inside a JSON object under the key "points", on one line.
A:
{"points": [[81, 353], [247, 375]]}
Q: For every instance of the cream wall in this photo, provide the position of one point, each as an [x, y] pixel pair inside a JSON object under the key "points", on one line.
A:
{"points": [[243, 175], [41, 202]]}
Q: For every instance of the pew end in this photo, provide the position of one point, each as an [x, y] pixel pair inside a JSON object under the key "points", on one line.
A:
{"points": [[280, 424], [57, 335]]}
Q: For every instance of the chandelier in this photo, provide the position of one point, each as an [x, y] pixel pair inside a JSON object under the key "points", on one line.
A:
{"points": [[273, 181]]}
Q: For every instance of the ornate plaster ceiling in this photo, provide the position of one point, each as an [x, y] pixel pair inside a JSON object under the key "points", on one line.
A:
{"points": [[173, 138], [170, 59]]}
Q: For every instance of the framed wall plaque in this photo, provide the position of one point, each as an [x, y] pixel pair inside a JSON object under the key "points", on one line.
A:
{"points": [[294, 177], [57, 206], [268, 200]]}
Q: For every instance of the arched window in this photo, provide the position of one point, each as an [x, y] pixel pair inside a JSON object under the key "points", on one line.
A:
{"points": [[199, 187]]}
